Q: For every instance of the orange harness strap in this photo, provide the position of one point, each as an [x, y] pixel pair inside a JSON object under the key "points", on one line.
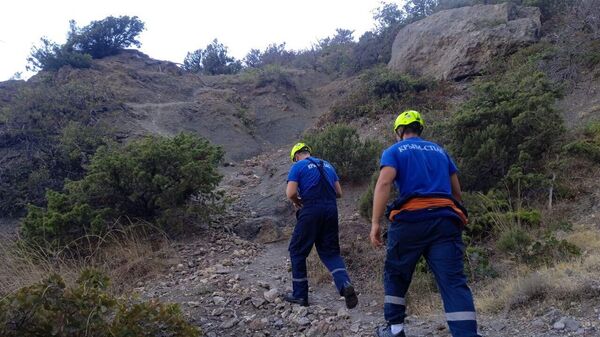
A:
{"points": [[416, 204]]}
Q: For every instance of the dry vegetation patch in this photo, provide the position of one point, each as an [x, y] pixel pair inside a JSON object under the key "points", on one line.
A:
{"points": [[549, 285], [126, 256]]}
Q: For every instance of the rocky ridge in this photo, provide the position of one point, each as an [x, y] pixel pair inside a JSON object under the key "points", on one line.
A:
{"points": [[458, 43]]}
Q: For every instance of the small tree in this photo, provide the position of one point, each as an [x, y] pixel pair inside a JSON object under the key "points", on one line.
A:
{"points": [[215, 60], [376, 46], [51, 56], [388, 15], [105, 37], [418, 9], [341, 37], [193, 62], [253, 58], [509, 125], [96, 40], [276, 54], [212, 60]]}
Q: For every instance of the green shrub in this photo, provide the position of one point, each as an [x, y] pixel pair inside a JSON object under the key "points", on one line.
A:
{"points": [[336, 53], [274, 54], [50, 308], [150, 179], [590, 57], [353, 159], [547, 249], [514, 241], [550, 250], [509, 124], [276, 76], [485, 212], [549, 8], [63, 221], [380, 90], [560, 225], [78, 143], [477, 263], [365, 203], [531, 218], [589, 147], [51, 56], [585, 149], [592, 130]]}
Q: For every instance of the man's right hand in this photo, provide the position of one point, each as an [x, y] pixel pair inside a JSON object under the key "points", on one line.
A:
{"points": [[375, 235]]}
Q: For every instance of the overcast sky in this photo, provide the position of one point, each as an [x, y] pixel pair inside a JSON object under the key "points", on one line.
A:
{"points": [[174, 27]]}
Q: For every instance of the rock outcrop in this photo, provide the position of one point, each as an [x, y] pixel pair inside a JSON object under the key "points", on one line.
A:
{"points": [[458, 43]]}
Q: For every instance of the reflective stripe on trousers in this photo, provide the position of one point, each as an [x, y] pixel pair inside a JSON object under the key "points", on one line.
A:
{"points": [[317, 225], [440, 242]]}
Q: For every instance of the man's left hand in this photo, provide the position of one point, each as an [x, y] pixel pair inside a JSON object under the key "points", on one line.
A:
{"points": [[375, 236]]}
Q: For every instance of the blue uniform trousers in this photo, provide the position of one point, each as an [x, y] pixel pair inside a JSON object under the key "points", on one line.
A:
{"points": [[440, 242], [317, 224]]}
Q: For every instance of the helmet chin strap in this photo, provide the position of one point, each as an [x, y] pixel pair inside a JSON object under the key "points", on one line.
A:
{"points": [[402, 133]]}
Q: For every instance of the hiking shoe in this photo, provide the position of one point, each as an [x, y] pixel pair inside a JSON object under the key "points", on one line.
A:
{"points": [[350, 296], [301, 301], [387, 332]]}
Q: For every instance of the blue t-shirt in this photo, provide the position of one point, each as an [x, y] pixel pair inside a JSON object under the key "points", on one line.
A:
{"points": [[307, 175], [422, 168]]}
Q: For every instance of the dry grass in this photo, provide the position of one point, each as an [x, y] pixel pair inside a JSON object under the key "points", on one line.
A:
{"points": [[317, 272], [423, 297], [563, 282], [587, 239], [518, 285], [366, 269], [126, 256]]}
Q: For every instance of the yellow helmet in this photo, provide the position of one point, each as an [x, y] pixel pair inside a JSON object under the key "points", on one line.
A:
{"points": [[407, 117], [299, 147]]}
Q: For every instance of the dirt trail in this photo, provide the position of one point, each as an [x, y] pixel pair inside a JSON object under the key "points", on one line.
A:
{"points": [[233, 287]]}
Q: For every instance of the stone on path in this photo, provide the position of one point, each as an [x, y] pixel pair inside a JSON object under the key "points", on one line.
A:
{"points": [[228, 324], [271, 295]]}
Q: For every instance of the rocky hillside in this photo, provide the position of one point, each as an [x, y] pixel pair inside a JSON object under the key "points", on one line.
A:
{"points": [[259, 111], [130, 95]]}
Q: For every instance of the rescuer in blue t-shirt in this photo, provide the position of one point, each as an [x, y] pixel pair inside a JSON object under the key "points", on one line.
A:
{"points": [[313, 187], [426, 220]]}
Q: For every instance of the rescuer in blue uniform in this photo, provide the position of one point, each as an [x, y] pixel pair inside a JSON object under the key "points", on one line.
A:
{"points": [[426, 220], [313, 187]]}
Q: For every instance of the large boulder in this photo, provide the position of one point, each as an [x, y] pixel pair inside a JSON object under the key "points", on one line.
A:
{"points": [[458, 43]]}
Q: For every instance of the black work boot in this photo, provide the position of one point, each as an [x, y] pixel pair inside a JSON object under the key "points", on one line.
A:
{"points": [[386, 331], [290, 298], [350, 296]]}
